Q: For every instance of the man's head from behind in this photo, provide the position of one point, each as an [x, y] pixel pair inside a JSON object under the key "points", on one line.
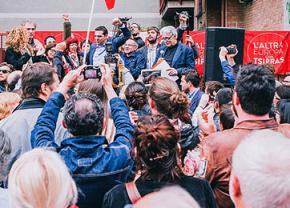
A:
{"points": [[255, 89], [83, 114], [261, 171], [39, 80]]}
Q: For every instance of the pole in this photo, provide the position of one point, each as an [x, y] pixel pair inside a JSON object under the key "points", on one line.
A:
{"points": [[88, 31]]}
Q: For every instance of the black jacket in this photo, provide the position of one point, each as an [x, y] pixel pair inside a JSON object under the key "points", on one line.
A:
{"points": [[16, 59], [199, 189]]}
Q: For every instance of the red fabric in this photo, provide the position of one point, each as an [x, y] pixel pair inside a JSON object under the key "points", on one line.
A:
{"points": [[199, 38], [262, 47], [259, 47], [110, 4]]}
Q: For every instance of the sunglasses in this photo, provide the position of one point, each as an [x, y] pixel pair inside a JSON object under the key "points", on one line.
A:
{"points": [[4, 71]]}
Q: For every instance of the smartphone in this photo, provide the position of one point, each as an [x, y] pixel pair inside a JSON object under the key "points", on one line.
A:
{"points": [[92, 72]]}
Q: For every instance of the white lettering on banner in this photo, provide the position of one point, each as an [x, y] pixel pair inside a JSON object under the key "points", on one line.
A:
{"points": [[268, 48]]}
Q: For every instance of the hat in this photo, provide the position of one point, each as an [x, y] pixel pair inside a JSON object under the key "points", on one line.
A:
{"points": [[224, 96], [185, 13]]}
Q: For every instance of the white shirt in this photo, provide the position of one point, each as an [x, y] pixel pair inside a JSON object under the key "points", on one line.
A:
{"points": [[99, 55], [151, 55]]}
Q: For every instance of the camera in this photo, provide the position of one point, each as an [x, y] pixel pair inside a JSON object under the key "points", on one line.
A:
{"points": [[124, 19], [92, 72], [109, 47], [231, 50]]}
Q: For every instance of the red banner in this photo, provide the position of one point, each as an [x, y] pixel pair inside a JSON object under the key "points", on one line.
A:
{"points": [[268, 47], [80, 35], [260, 47]]}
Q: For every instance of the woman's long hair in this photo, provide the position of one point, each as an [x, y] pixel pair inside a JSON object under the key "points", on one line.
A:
{"points": [[17, 39], [169, 100], [156, 142]]}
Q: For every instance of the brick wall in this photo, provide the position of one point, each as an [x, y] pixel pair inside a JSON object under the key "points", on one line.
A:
{"points": [[263, 15], [234, 14], [257, 15]]}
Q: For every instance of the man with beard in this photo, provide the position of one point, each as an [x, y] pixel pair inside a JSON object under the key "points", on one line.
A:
{"points": [[150, 50], [135, 30], [134, 61]]}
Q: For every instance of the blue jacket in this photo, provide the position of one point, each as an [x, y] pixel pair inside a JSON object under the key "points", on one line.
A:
{"points": [[228, 72], [87, 154], [144, 52], [183, 59], [116, 43], [135, 63], [194, 101]]}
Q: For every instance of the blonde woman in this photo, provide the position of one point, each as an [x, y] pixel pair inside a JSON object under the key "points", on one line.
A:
{"points": [[40, 178], [8, 102], [18, 51]]}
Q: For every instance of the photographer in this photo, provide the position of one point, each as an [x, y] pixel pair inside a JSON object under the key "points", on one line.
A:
{"points": [[226, 56], [97, 52], [86, 153], [183, 18]]}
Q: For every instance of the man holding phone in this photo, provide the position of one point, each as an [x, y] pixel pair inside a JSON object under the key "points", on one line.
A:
{"points": [[97, 53]]}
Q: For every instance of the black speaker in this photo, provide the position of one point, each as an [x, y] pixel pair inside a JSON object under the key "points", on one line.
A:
{"points": [[215, 38]]}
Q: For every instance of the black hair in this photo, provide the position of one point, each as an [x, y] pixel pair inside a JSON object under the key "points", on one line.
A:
{"points": [[193, 78], [283, 92], [83, 114], [49, 36], [255, 87], [227, 119], [284, 110], [35, 75], [103, 29], [136, 95]]}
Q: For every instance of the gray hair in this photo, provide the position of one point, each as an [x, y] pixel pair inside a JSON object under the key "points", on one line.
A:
{"points": [[28, 22], [261, 164], [168, 29]]}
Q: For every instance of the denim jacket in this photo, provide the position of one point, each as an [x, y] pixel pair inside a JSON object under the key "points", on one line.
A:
{"points": [[228, 72], [87, 154]]}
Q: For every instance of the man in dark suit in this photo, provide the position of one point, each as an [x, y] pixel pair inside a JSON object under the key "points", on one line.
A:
{"points": [[150, 50], [190, 85], [179, 57]]}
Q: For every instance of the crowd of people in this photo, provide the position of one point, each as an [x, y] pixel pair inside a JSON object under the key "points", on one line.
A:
{"points": [[79, 127]]}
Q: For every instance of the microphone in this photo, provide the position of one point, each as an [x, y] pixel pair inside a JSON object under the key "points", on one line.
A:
{"points": [[162, 52]]}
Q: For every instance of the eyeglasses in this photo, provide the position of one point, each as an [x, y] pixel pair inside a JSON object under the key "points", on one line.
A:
{"points": [[99, 36], [4, 71], [167, 38]]}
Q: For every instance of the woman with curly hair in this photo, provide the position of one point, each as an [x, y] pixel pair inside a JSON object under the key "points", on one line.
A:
{"points": [[157, 156], [18, 51]]}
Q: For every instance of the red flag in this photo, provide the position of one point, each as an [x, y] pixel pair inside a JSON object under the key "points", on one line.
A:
{"points": [[110, 4]]}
